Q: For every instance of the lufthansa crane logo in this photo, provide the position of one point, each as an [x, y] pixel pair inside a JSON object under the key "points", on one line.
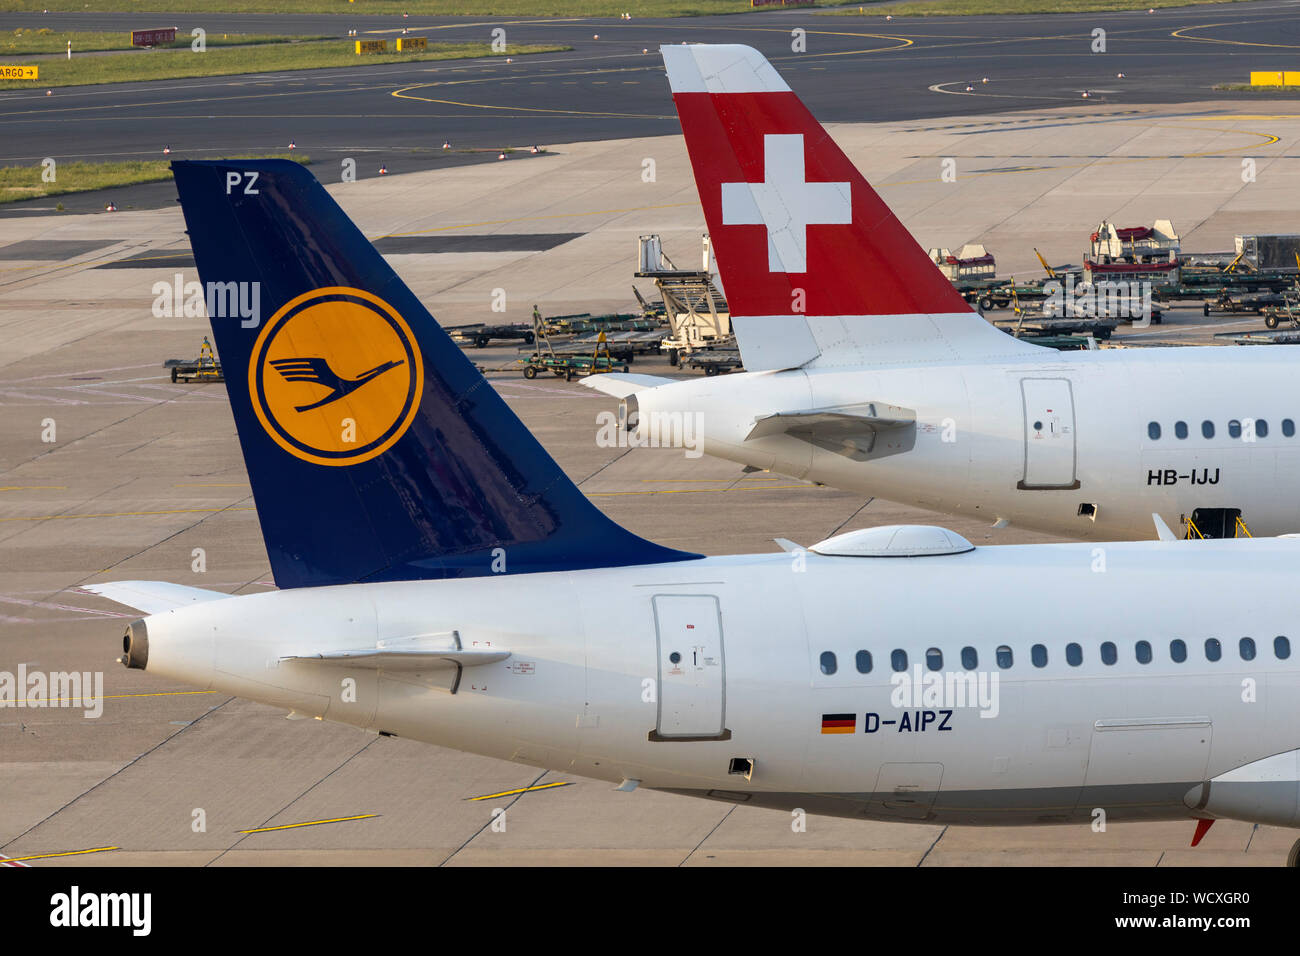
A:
{"points": [[336, 376]]}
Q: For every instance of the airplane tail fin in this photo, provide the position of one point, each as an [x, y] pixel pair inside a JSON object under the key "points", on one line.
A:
{"points": [[375, 449], [815, 264]]}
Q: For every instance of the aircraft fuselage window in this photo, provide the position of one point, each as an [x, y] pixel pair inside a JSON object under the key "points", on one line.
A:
{"points": [[1261, 428], [1207, 429], [1288, 428], [1038, 655], [1234, 429], [1153, 430], [1180, 429]]}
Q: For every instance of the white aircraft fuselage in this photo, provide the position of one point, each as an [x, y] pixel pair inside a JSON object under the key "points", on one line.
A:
{"points": [[590, 686], [975, 450]]}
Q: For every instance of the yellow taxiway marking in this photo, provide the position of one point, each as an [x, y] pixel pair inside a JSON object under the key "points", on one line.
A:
{"points": [[46, 856], [1182, 35], [402, 94], [511, 793], [212, 484], [42, 702], [405, 94], [311, 823], [485, 23], [903, 42], [568, 215], [682, 481], [33, 487], [214, 511], [691, 491], [131, 514]]}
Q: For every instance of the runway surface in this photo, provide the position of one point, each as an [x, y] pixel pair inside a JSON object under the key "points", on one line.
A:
{"points": [[855, 69]]}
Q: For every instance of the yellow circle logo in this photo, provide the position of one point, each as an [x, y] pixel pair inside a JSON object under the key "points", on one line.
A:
{"points": [[336, 376]]}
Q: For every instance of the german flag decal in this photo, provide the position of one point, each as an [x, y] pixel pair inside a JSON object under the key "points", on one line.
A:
{"points": [[839, 723]]}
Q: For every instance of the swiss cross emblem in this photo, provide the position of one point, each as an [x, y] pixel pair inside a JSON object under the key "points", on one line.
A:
{"points": [[786, 203]]}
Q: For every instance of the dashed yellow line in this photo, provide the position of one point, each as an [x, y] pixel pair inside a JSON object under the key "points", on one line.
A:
{"points": [[311, 823], [46, 856], [511, 793]]}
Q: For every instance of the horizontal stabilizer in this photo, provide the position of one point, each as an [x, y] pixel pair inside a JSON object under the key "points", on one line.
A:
{"points": [[623, 384], [849, 430], [152, 597], [422, 653]]}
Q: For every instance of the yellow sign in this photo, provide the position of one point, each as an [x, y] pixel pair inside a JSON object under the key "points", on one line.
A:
{"points": [[1275, 78], [406, 44], [372, 46], [336, 376], [18, 72]]}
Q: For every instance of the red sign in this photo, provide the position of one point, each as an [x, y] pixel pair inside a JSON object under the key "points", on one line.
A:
{"points": [[153, 37]]}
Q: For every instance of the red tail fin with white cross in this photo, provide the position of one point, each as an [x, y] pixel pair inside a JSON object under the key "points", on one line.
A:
{"points": [[798, 232]]}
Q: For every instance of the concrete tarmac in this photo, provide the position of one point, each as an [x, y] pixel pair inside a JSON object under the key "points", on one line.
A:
{"points": [[138, 473]]}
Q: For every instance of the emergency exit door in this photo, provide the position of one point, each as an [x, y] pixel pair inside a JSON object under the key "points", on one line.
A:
{"points": [[692, 670], [1050, 454]]}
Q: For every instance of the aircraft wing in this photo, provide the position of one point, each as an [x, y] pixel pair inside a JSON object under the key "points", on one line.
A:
{"points": [[153, 597], [623, 384], [850, 430]]}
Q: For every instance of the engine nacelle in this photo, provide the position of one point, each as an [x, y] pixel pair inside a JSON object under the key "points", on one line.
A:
{"points": [[1265, 791]]}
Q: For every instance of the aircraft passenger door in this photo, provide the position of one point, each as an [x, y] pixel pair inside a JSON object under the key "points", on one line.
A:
{"points": [[692, 672], [1049, 434]]}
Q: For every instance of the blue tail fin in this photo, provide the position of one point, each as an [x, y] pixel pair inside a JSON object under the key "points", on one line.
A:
{"points": [[376, 450]]}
